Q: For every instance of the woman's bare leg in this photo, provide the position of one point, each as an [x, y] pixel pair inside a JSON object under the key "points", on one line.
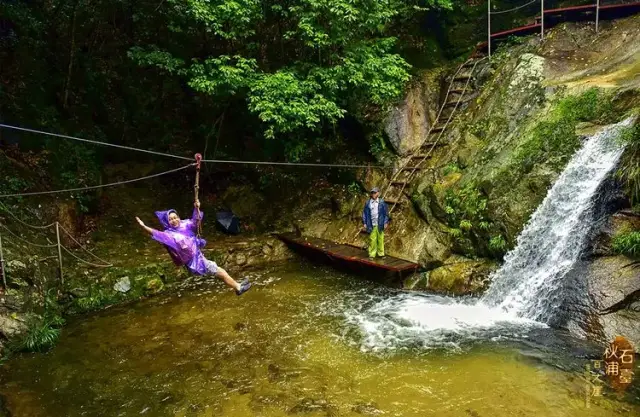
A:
{"points": [[221, 273]]}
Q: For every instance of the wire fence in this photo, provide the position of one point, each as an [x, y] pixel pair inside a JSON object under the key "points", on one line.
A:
{"points": [[58, 245]]}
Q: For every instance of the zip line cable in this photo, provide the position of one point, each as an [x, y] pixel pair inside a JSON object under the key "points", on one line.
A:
{"points": [[40, 132], [298, 164], [515, 8], [93, 187], [216, 161], [24, 240], [83, 248]]}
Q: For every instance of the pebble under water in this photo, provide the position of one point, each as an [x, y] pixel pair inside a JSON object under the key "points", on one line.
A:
{"points": [[310, 342]]}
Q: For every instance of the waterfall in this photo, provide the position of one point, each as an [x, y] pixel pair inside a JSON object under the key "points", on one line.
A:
{"points": [[527, 291], [529, 283]]}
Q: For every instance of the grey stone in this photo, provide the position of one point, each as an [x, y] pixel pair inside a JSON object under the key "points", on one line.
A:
{"points": [[408, 123], [123, 285]]}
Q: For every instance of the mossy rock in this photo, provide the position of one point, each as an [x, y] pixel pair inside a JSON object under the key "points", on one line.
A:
{"points": [[154, 286], [416, 281], [461, 277]]}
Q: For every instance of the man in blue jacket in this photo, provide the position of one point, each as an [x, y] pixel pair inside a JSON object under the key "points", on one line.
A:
{"points": [[375, 219]]}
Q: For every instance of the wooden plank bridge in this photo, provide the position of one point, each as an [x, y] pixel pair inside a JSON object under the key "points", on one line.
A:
{"points": [[349, 257]]}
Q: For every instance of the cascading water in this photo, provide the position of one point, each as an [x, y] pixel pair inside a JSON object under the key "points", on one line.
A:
{"points": [[530, 281], [528, 288]]}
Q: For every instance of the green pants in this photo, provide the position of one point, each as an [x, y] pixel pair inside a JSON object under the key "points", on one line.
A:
{"points": [[376, 242]]}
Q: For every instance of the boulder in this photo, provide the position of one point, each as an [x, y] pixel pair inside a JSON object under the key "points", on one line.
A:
{"points": [[613, 305], [460, 275], [11, 326]]}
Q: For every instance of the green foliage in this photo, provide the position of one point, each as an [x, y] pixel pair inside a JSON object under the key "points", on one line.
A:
{"points": [[467, 215], [286, 104], [42, 332], [41, 335], [450, 168], [498, 245], [75, 166], [466, 206], [298, 66], [629, 168], [627, 243], [355, 188]]}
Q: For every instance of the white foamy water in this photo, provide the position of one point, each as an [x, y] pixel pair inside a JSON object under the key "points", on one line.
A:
{"points": [[429, 321], [529, 283], [526, 290]]}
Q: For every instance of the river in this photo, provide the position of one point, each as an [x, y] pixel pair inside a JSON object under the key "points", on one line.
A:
{"points": [[304, 341]]}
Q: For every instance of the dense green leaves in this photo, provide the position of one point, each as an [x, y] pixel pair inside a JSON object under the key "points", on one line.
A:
{"points": [[299, 66], [170, 75]]}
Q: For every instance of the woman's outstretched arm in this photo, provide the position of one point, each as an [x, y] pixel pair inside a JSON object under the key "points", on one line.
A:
{"points": [[145, 227]]}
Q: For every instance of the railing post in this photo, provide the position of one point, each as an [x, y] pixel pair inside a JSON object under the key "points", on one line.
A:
{"points": [[541, 19], [597, 14], [4, 277], [489, 27], [59, 254]]}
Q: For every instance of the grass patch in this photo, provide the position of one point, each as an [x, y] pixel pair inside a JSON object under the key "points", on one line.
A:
{"points": [[627, 243], [42, 334]]}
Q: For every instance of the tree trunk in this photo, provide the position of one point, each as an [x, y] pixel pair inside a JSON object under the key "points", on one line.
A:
{"points": [[72, 50]]}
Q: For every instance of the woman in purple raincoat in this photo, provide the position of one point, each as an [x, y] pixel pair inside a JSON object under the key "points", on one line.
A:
{"points": [[182, 243]]}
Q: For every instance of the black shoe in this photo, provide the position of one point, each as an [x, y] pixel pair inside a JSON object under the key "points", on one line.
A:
{"points": [[244, 287]]}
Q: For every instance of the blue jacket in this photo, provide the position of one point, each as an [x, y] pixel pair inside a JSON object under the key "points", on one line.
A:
{"points": [[383, 216]]}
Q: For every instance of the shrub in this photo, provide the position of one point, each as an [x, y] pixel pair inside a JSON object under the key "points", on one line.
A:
{"points": [[41, 335], [498, 245]]}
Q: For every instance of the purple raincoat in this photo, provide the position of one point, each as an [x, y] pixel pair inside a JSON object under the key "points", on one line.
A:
{"points": [[181, 242]]}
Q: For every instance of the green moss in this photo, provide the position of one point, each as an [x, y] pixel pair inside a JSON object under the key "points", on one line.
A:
{"points": [[554, 139]]}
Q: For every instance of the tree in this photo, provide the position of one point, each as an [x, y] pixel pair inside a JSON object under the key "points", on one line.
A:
{"points": [[299, 65]]}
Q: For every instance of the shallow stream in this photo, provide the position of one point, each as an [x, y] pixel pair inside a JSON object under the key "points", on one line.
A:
{"points": [[305, 341]]}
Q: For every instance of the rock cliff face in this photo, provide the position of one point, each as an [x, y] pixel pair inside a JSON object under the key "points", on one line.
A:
{"points": [[408, 123]]}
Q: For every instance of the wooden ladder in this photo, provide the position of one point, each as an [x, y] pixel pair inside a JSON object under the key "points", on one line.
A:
{"points": [[393, 191]]}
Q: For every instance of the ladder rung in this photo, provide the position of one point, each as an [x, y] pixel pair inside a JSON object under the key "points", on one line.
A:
{"points": [[432, 145], [399, 182], [454, 102], [437, 129], [462, 77], [419, 156], [456, 91], [392, 201], [410, 168]]}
